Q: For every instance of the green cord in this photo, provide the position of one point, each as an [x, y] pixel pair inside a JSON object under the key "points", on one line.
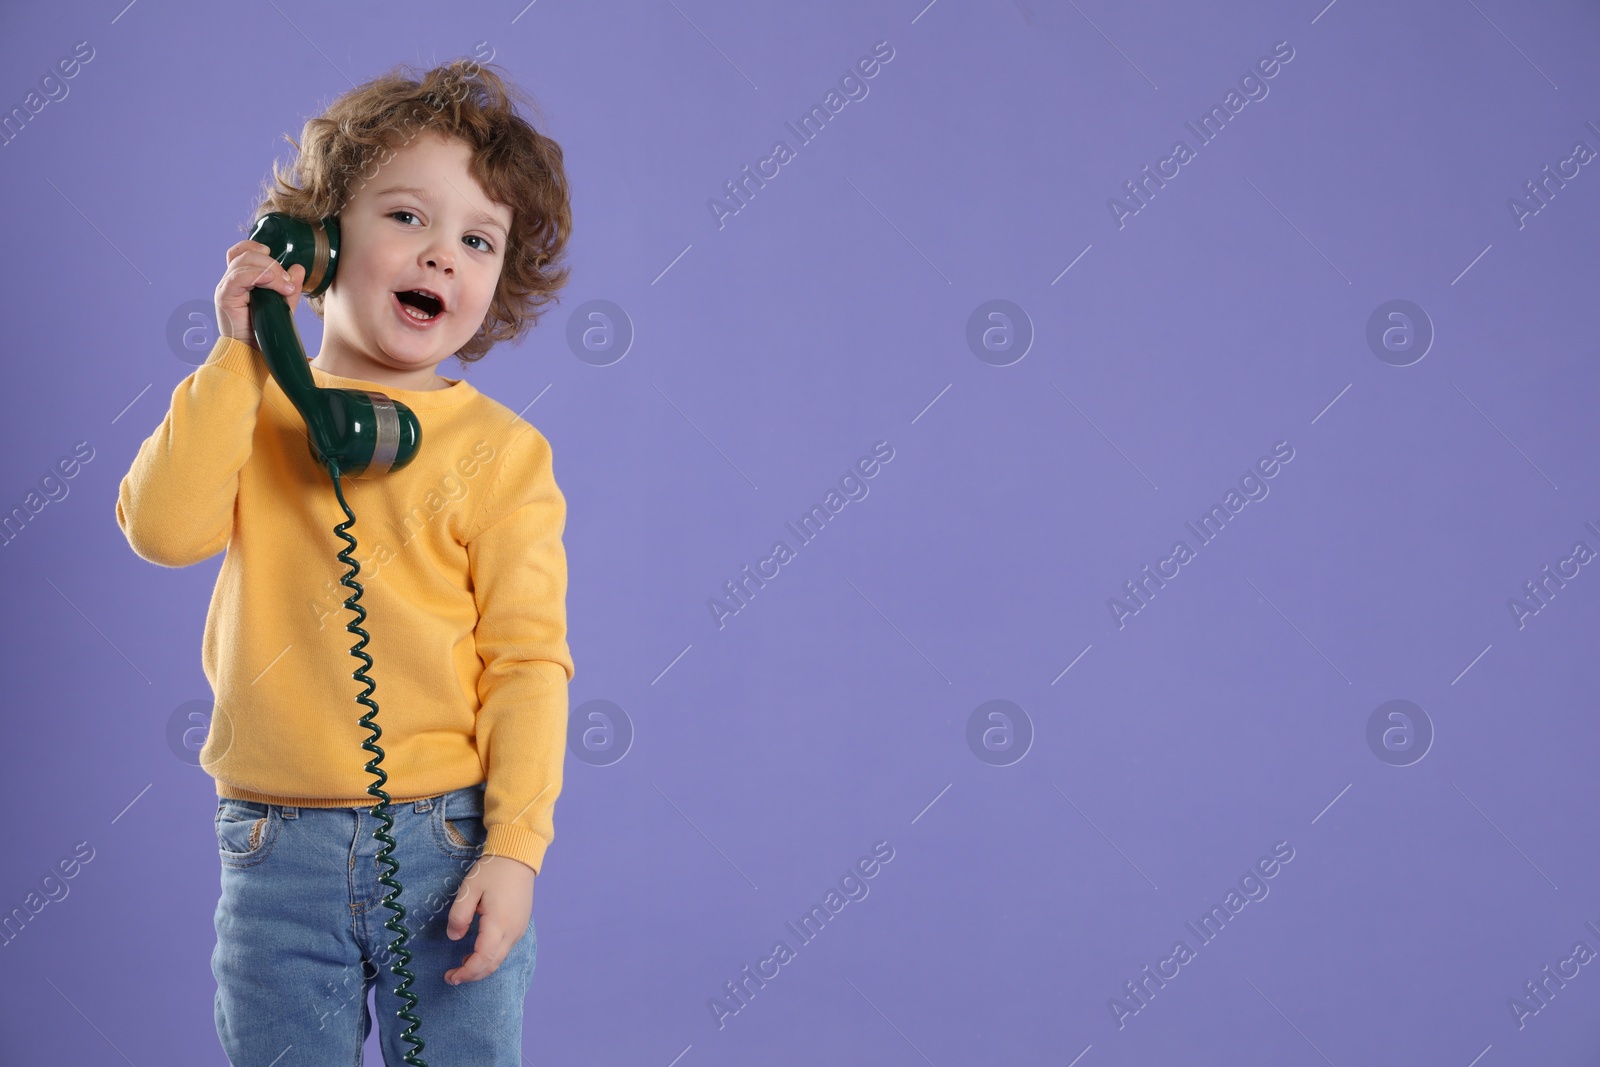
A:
{"points": [[380, 811]]}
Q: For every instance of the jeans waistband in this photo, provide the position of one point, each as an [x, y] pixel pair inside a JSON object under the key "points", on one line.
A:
{"points": [[463, 803]]}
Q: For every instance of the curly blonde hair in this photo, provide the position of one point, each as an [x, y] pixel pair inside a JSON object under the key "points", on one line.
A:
{"points": [[341, 149]]}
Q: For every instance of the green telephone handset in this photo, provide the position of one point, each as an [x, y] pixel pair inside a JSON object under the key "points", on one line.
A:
{"points": [[363, 431], [352, 433]]}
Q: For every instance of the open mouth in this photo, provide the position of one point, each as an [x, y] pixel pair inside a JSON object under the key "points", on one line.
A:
{"points": [[419, 305]]}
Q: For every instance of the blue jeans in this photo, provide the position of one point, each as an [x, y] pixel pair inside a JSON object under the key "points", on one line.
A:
{"points": [[301, 937]]}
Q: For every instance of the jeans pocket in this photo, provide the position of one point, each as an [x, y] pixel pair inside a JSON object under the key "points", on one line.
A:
{"points": [[246, 831], [460, 834]]}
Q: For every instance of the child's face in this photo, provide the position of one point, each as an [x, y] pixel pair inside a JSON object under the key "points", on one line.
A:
{"points": [[420, 222]]}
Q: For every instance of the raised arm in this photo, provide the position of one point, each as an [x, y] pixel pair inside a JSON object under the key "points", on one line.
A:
{"points": [[175, 505]]}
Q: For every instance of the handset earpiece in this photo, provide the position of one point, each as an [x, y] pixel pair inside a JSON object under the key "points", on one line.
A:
{"points": [[363, 432]]}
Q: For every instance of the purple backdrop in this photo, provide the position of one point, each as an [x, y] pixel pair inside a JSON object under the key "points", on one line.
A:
{"points": [[1355, 316]]}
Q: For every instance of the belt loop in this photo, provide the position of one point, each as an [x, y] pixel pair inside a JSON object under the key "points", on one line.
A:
{"points": [[423, 806], [289, 812]]}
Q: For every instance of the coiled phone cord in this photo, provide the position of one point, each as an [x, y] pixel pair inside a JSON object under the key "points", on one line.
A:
{"points": [[396, 922]]}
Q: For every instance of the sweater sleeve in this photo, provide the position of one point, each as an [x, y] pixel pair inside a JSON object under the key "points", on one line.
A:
{"points": [[176, 503], [519, 579]]}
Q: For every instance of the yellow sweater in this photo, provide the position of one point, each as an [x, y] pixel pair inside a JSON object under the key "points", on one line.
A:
{"points": [[464, 581]]}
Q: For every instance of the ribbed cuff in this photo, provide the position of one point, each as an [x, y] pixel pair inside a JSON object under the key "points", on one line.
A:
{"points": [[240, 358], [514, 842]]}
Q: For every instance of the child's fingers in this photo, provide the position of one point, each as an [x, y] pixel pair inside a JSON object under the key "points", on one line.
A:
{"points": [[465, 907], [235, 251], [253, 270], [488, 953], [253, 254], [250, 267], [297, 278]]}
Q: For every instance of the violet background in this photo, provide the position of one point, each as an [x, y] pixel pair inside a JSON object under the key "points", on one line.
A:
{"points": [[833, 711]]}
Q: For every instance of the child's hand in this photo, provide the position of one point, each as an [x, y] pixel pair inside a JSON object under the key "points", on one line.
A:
{"points": [[250, 266], [500, 891]]}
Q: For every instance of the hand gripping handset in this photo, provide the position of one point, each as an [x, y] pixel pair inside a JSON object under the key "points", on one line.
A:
{"points": [[355, 433]]}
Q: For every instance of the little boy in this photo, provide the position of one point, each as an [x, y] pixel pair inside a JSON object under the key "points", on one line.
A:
{"points": [[451, 209]]}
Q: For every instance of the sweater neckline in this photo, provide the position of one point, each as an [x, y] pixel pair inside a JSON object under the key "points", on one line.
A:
{"points": [[457, 391]]}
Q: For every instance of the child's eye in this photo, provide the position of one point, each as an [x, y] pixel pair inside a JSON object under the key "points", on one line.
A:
{"points": [[474, 237]]}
